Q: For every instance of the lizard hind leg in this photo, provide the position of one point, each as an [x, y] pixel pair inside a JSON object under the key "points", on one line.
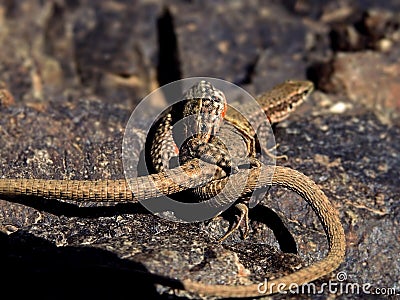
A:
{"points": [[244, 217], [264, 138]]}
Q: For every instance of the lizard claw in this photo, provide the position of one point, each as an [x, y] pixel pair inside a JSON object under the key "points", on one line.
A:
{"points": [[244, 217]]}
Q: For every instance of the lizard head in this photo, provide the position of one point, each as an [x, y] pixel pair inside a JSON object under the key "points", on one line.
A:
{"points": [[285, 98], [205, 106]]}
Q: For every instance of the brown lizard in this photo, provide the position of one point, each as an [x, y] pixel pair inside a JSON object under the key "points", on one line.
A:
{"points": [[118, 191], [210, 127], [206, 100]]}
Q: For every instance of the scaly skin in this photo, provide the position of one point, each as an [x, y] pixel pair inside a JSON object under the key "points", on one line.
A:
{"points": [[275, 106], [306, 188], [136, 189]]}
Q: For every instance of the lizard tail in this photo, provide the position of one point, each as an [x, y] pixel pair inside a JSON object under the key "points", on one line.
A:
{"points": [[306, 188], [190, 175]]}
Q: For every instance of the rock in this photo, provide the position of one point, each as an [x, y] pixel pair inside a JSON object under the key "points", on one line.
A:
{"points": [[107, 49], [369, 78]]}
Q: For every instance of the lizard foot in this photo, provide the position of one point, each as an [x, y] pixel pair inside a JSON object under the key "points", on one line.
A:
{"points": [[273, 156], [244, 216]]}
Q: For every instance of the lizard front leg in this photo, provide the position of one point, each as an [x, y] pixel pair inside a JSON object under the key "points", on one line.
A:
{"points": [[163, 148]]}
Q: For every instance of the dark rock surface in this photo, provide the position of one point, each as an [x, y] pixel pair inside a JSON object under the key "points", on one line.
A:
{"points": [[72, 71]]}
